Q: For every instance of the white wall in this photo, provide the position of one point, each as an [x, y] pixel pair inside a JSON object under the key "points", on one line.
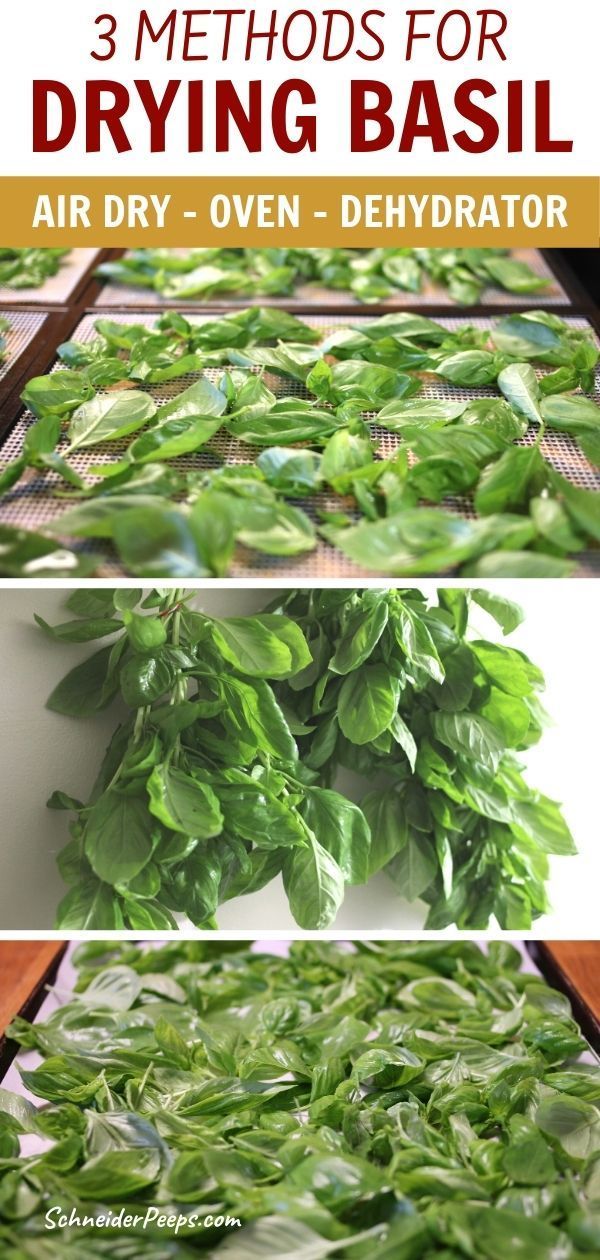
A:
{"points": [[41, 751]]}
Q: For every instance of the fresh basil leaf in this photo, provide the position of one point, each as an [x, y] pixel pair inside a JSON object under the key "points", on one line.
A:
{"points": [[518, 383], [505, 612], [108, 417], [342, 829], [413, 868], [118, 836], [386, 815], [368, 700], [361, 634], [470, 735], [79, 631], [512, 481], [145, 678], [314, 884], [184, 804], [87, 688]]}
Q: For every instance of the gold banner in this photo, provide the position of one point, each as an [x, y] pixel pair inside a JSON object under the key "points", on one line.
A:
{"points": [[307, 211]]}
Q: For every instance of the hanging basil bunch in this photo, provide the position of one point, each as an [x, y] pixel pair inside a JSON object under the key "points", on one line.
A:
{"points": [[222, 774]]}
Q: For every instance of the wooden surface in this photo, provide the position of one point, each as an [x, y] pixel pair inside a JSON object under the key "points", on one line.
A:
{"points": [[25, 966]]}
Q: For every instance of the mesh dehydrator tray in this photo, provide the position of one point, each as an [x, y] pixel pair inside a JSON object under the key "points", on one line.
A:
{"points": [[56, 290], [33, 505], [312, 295], [24, 327]]}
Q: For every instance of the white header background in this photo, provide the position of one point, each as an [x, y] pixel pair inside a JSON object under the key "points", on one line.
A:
{"points": [[545, 39]]}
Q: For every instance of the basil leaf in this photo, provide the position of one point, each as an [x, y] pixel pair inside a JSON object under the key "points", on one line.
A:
{"points": [[426, 412], [470, 367], [275, 529], [79, 631], [91, 905], [252, 712], [514, 275], [386, 815], [256, 648], [410, 543], [183, 804], [25, 554], [571, 413], [118, 836], [57, 394], [87, 688], [361, 635], [524, 337], [172, 438], [509, 483], [145, 678], [542, 820], [505, 612], [342, 829], [108, 417], [518, 383], [314, 884], [367, 703], [291, 472], [573, 1124], [413, 868], [416, 642], [471, 736]]}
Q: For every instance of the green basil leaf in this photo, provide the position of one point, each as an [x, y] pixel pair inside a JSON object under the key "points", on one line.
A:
{"points": [[518, 383], [342, 829], [471, 736], [360, 637], [367, 703], [118, 836], [314, 884], [79, 631], [386, 815], [184, 804], [414, 867], [108, 417], [573, 1124], [144, 679], [87, 688], [505, 612]]}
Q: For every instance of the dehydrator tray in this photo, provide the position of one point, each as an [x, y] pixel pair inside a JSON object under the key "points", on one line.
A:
{"points": [[311, 296], [33, 505], [59, 289], [23, 328]]}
